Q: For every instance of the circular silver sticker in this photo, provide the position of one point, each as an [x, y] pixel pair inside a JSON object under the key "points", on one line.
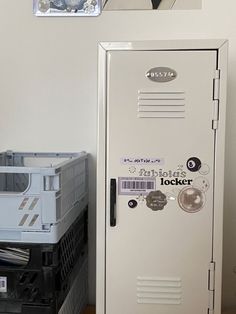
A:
{"points": [[191, 199]]}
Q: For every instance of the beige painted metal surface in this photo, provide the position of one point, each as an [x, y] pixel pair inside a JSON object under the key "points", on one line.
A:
{"points": [[155, 258]]}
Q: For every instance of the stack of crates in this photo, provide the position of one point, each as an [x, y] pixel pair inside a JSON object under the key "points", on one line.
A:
{"points": [[43, 232]]}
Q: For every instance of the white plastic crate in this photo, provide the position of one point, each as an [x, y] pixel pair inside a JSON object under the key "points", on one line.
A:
{"points": [[41, 194]]}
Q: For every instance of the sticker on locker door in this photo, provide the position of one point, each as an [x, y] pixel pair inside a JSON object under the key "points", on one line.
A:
{"points": [[141, 161], [135, 185]]}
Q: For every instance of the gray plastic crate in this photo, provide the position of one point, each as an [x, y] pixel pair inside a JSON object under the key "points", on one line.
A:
{"points": [[41, 194]]}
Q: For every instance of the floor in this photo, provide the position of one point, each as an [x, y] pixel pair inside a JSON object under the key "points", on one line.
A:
{"points": [[91, 310]]}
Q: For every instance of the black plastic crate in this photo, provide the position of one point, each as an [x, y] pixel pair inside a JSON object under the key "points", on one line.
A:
{"points": [[19, 308], [37, 277]]}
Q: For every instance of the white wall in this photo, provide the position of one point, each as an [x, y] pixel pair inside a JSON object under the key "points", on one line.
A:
{"points": [[48, 86]]}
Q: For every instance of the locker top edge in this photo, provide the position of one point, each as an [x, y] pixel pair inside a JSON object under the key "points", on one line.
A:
{"points": [[191, 44]]}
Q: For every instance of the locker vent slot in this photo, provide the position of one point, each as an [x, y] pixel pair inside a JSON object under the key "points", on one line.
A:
{"points": [[159, 290], [153, 104]]}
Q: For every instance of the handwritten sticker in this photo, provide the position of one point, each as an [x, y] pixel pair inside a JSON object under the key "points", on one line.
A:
{"points": [[141, 161]]}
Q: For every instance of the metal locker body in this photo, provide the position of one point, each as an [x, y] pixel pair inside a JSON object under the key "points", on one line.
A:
{"points": [[158, 131]]}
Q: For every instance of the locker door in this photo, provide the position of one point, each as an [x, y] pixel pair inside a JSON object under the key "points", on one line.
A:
{"points": [[160, 174]]}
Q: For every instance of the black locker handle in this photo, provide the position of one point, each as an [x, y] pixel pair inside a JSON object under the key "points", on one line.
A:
{"points": [[113, 203], [155, 4]]}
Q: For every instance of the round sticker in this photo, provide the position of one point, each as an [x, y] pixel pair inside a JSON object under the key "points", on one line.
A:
{"points": [[191, 199], [193, 164], [204, 169], [156, 200], [132, 203]]}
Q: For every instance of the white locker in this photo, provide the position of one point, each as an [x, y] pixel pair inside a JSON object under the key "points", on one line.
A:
{"points": [[160, 176]]}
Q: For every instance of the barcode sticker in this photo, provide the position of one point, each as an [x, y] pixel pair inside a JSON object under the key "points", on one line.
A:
{"points": [[3, 284], [135, 186]]}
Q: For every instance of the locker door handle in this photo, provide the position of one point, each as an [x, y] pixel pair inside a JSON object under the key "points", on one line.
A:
{"points": [[113, 203], [155, 4]]}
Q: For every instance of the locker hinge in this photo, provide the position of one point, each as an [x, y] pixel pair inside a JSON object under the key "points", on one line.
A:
{"points": [[215, 120], [211, 287], [216, 86], [216, 100]]}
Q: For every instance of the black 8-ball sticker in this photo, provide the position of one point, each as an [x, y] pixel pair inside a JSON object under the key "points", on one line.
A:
{"points": [[194, 164], [132, 203]]}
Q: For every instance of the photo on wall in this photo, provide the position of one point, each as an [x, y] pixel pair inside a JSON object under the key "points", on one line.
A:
{"points": [[95, 7], [152, 4]]}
